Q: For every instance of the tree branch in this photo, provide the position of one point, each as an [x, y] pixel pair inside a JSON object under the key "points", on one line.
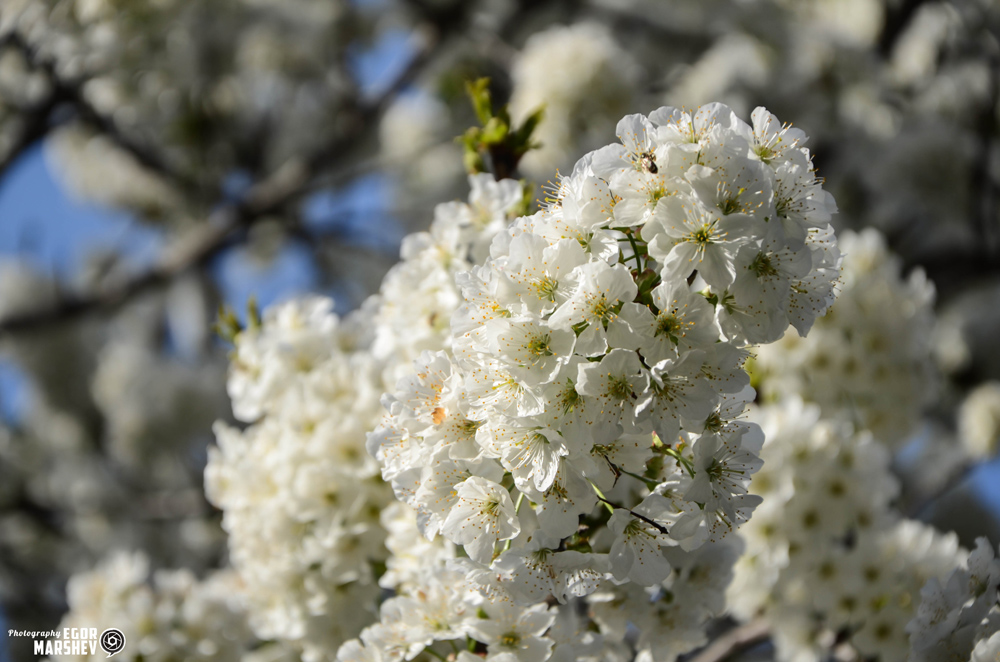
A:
{"points": [[226, 225], [70, 92], [37, 121], [736, 640], [957, 478]]}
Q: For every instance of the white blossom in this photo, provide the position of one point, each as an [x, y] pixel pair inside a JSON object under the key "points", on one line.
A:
{"points": [[482, 515]]}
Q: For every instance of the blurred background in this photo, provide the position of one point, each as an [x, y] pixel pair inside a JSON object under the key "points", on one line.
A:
{"points": [[161, 158]]}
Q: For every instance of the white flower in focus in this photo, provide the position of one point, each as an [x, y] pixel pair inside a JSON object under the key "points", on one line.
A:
{"points": [[640, 536], [542, 274], [618, 382], [722, 468], [763, 283], [771, 141], [482, 515], [679, 392], [689, 236], [533, 573], [599, 290], [514, 631], [683, 320], [532, 453], [533, 351]]}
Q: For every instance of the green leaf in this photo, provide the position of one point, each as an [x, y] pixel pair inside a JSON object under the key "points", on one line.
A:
{"points": [[253, 313], [495, 132], [479, 92], [227, 326], [522, 135], [497, 144], [473, 162]]}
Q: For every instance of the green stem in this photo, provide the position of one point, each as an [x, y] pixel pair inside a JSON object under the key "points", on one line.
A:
{"points": [[683, 461], [650, 484], [600, 496], [635, 250]]}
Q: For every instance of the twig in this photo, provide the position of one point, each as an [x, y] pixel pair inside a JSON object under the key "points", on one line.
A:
{"points": [[70, 92], [656, 525], [919, 509], [37, 122], [736, 640]]}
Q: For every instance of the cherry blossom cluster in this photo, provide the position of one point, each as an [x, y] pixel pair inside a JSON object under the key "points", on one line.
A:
{"points": [[829, 562], [829, 559], [303, 503], [301, 499], [817, 548], [586, 415]]}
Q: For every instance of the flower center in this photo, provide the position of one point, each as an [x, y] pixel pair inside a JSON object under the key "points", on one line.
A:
{"points": [[467, 429], [703, 237], [539, 346], [667, 325], [510, 639], [546, 288], [714, 422], [569, 398], [619, 388], [601, 308], [764, 152], [762, 266], [657, 192], [731, 204], [633, 528]]}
